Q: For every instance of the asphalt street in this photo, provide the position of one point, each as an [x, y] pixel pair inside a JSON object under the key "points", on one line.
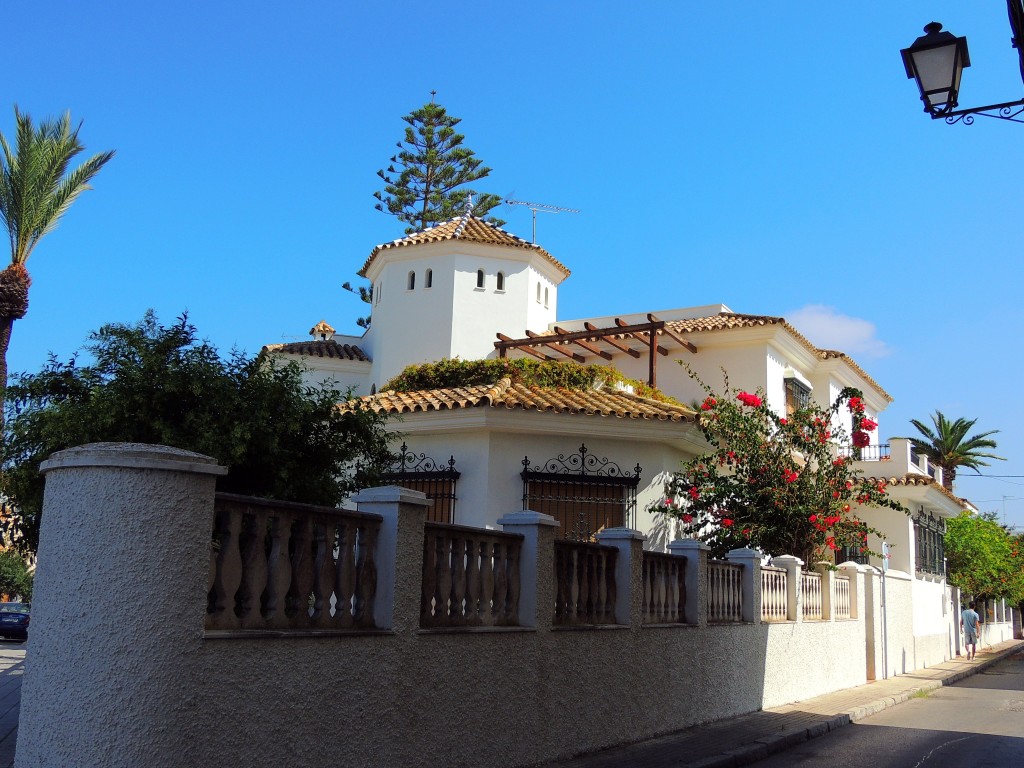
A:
{"points": [[977, 722], [12, 667]]}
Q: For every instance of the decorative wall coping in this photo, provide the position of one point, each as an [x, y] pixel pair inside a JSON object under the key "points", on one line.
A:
{"points": [[133, 456]]}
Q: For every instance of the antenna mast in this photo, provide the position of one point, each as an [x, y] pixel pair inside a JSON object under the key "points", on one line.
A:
{"points": [[543, 208]]}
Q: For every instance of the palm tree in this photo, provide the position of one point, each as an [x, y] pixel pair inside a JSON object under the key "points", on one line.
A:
{"points": [[36, 189], [949, 447]]}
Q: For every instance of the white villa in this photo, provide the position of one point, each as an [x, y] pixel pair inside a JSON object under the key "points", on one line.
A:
{"points": [[485, 293]]}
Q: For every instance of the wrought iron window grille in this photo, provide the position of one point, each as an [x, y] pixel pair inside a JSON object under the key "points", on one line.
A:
{"points": [[583, 492], [439, 481]]}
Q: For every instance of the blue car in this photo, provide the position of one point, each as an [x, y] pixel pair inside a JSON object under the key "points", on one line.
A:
{"points": [[14, 619]]}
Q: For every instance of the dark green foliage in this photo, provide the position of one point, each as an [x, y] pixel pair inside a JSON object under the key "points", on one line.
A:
{"points": [[983, 559], [539, 373], [425, 182], [15, 577], [154, 384]]}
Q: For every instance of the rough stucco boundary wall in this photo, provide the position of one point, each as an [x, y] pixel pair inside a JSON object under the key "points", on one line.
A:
{"points": [[105, 671], [126, 553]]}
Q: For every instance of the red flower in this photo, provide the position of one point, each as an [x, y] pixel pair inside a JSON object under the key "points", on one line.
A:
{"points": [[835, 494], [868, 425], [667, 502], [856, 404], [812, 519], [727, 521], [831, 542], [746, 531], [783, 422], [687, 518], [694, 493], [839, 462], [708, 404], [748, 399], [861, 439], [790, 475], [846, 507]]}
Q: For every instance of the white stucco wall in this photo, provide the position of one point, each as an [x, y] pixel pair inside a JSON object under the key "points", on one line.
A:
{"points": [[454, 317], [160, 691]]}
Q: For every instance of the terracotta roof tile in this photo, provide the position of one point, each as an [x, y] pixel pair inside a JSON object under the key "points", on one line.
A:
{"points": [[505, 394], [727, 320], [469, 229], [329, 348], [914, 479]]}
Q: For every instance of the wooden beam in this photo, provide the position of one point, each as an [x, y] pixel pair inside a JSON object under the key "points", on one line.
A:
{"points": [[556, 346], [585, 344], [610, 341], [673, 335], [528, 349], [643, 332]]}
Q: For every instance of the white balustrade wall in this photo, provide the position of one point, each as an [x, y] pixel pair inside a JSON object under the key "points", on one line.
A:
{"points": [[327, 637]]}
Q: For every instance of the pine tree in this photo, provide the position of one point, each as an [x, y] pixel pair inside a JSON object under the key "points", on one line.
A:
{"points": [[425, 181]]}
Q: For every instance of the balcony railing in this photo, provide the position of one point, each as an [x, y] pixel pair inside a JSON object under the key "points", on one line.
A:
{"points": [[879, 452]]}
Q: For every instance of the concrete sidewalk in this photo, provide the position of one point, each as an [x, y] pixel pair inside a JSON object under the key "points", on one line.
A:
{"points": [[749, 738]]}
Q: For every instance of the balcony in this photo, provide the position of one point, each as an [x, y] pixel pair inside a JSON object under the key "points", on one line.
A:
{"points": [[897, 458]]}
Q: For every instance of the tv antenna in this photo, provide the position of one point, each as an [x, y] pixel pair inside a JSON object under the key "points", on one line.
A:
{"points": [[543, 208]]}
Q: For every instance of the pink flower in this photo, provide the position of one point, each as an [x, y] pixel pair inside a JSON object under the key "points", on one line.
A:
{"points": [[748, 399]]}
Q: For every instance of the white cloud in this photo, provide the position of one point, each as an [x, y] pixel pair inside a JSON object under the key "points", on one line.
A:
{"points": [[828, 329]]}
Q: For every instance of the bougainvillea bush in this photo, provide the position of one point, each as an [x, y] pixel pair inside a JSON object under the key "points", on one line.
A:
{"points": [[775, 483]]}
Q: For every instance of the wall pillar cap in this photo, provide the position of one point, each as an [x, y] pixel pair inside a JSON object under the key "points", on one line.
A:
{"points": [[744, 552], [787, 560], [620, 533], [849, 565], [688, 544], [391, 494], [528, 517], [133, 456]]}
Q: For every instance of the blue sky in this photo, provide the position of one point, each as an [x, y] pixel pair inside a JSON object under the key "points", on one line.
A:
{"points": [[771, 156]]}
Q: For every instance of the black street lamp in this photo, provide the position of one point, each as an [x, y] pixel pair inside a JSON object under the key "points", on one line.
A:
{"points": [[937, 60]]}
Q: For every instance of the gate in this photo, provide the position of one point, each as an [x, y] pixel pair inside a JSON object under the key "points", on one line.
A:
{"points": [[419, 472]]}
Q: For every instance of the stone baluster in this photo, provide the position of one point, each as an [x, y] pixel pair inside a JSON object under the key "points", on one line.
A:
{"points": [[279, 572], [497, 611], [254, 568], [345, 575], [228, 571], [460, 610], [828, 591], [367, 596]]}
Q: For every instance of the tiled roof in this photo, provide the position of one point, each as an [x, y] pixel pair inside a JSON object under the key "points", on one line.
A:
{"points": [[913, 479], [329, 348], [505, 394], [469, 229], [727, 320]]}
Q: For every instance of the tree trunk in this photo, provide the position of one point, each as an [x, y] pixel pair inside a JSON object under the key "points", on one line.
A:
{"points": [[6, 326], [948, 476]]}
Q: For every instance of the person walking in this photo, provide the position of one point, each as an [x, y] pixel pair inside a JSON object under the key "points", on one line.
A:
{"points": [[969, 625]]}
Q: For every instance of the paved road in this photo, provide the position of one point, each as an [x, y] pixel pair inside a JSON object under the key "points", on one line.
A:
{"points": [[977, 722], [12, 667]]}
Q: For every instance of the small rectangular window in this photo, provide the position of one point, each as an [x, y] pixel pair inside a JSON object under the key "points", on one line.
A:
{"points": [[798, 396]]}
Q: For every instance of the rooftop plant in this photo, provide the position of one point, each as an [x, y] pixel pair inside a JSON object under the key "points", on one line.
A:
{"points": [[449, 373]]}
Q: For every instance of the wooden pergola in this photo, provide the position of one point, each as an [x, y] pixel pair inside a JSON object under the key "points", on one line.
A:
{"points": [[654, 337]]}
